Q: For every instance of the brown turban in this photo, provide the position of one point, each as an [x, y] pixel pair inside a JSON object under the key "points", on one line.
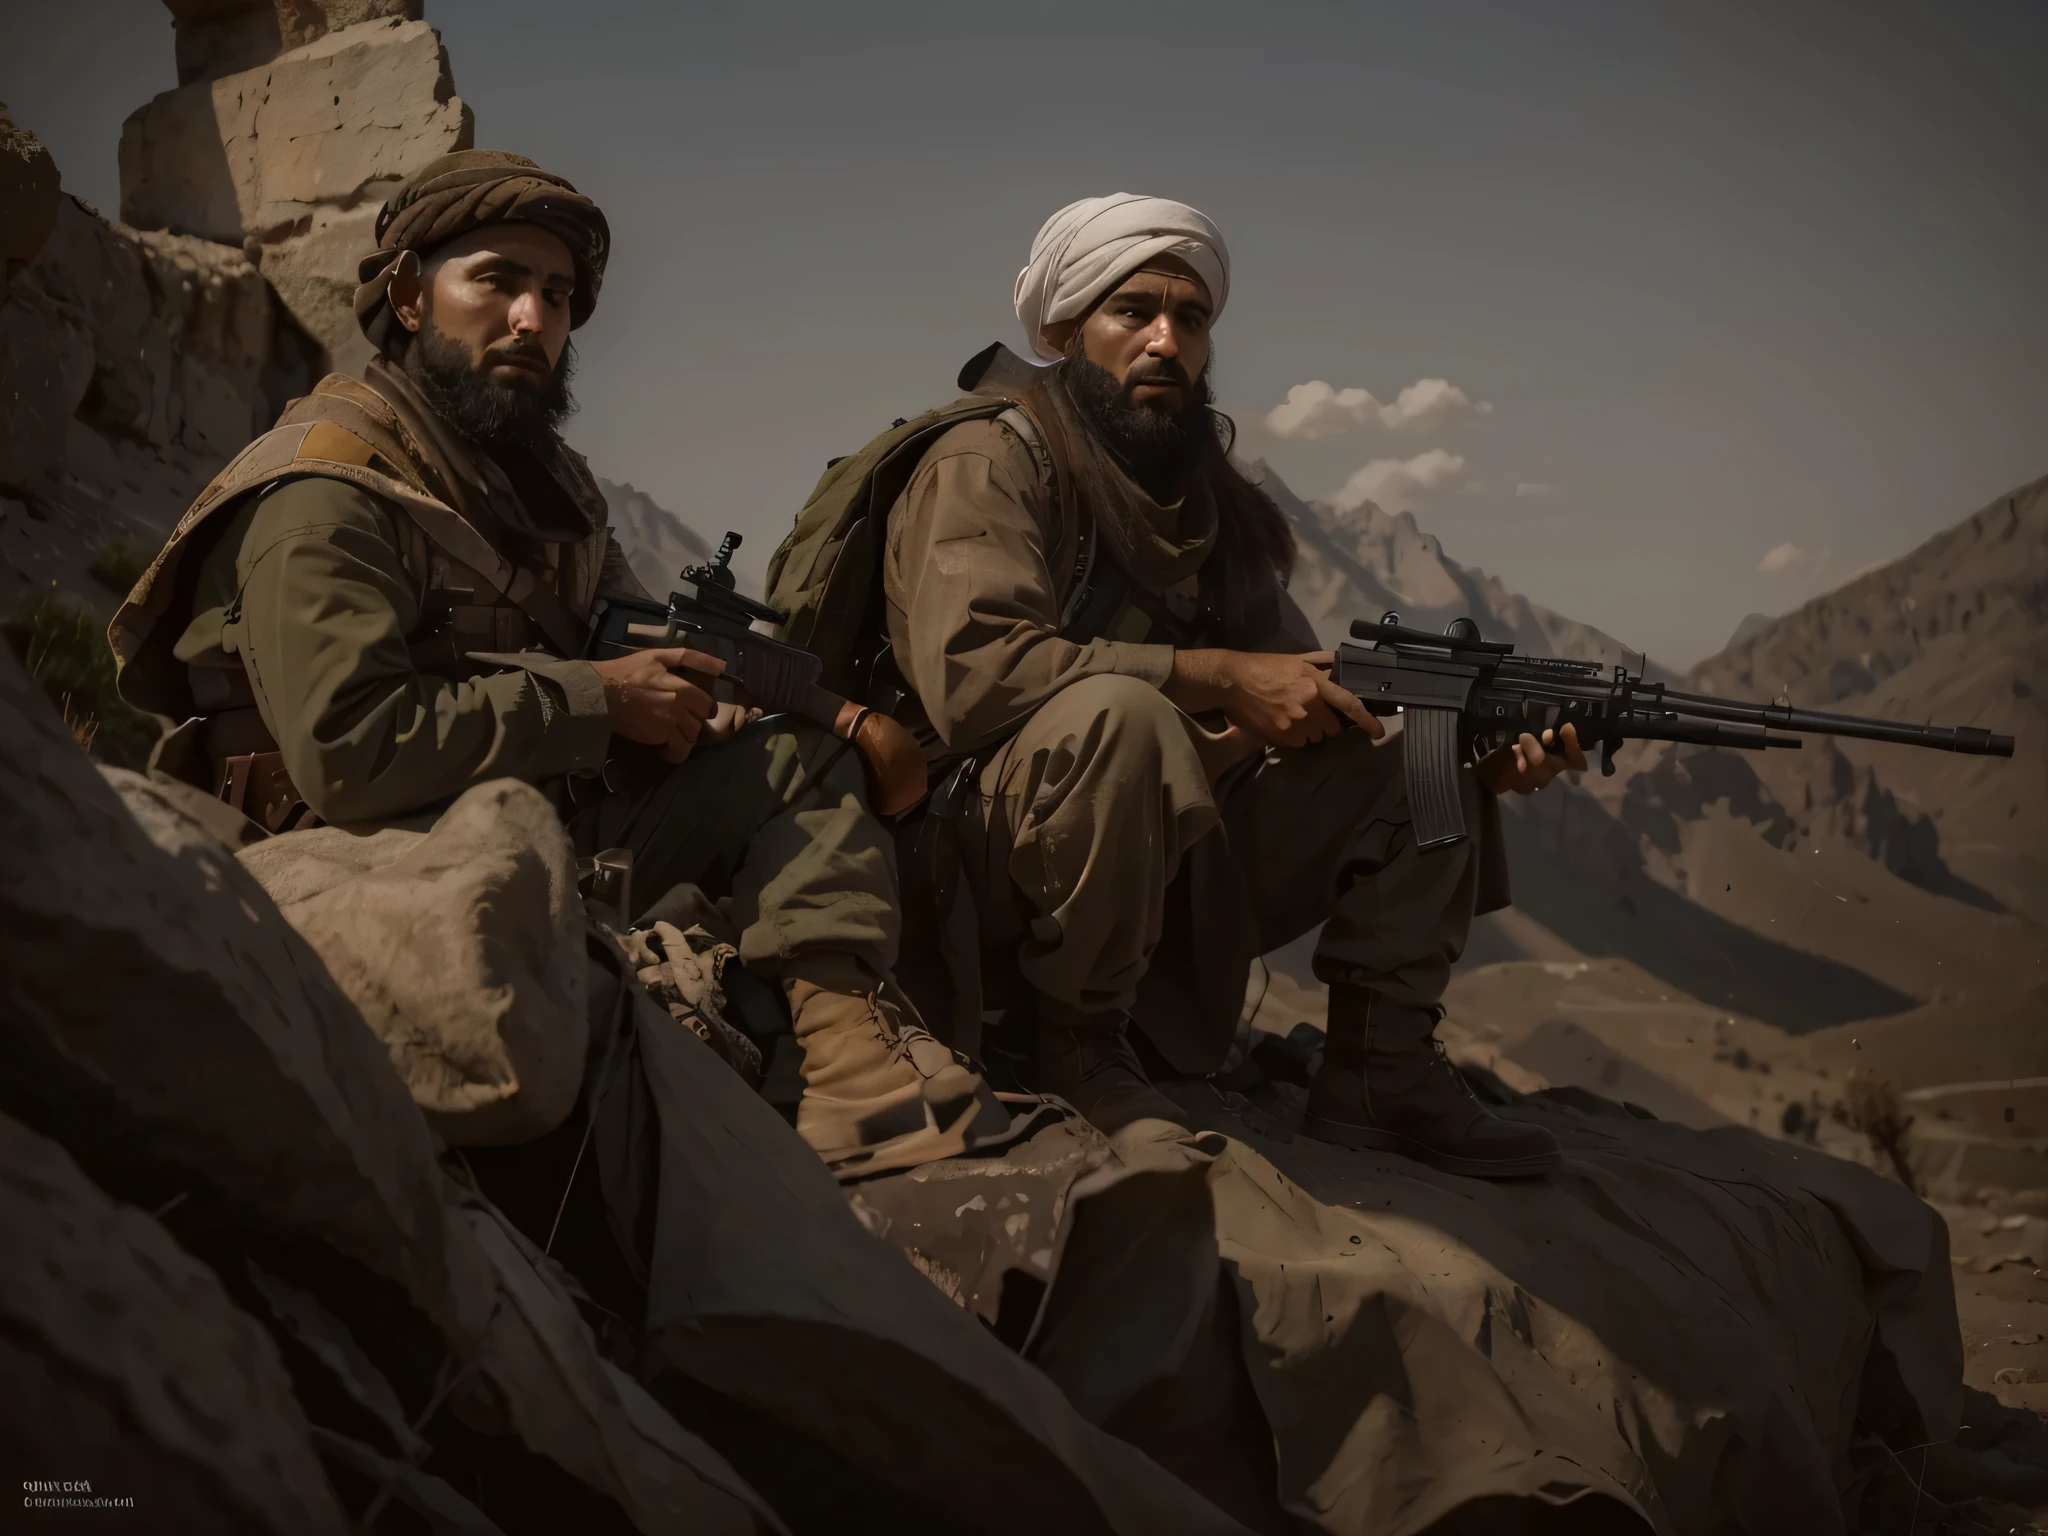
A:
{"points": [[464, 191]]}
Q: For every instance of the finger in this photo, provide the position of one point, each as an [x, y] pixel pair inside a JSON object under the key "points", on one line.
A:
{"points": [[1347, 704], [1574, 754], [680, 658], [1532, 751], [676, 750], [1323, 660]]}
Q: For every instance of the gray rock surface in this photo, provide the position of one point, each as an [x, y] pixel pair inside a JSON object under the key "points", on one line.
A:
{"points": [[115, 908], [28, 197], [127, 1364]]}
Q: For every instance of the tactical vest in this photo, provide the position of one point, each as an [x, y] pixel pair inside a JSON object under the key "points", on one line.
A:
{"points": [[826, 576], [474, 602]]}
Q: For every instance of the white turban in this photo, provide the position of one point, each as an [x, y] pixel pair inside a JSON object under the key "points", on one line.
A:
{"points": [[1088, 247]]}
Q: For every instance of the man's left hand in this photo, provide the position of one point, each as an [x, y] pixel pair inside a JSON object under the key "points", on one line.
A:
{"points": [[1525, 767]]}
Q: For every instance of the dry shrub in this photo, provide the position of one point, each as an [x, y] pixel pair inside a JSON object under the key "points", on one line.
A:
{"points": [[1872, 1107]]}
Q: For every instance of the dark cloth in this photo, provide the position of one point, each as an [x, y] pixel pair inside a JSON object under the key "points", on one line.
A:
{"points": [[456, 193]]}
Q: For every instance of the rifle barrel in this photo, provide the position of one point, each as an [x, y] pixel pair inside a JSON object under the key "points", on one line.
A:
{"points": [[1967, 739]]}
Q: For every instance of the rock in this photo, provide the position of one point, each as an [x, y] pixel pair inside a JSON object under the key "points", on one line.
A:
{"points": [[298, 153], [125, 1359], [132, 365], [131, 949], [226, 37], [462, 945], [28, 197]]}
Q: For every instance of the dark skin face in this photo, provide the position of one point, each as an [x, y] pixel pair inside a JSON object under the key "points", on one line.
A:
{"points": [[503, 292], [1150, 334]]}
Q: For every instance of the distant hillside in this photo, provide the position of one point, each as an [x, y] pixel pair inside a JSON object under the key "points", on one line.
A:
{"points": [[658, 544], [1363, 563], [1956, 633], [1801, 888]]}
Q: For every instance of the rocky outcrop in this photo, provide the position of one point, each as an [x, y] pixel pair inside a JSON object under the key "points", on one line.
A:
{"points": [[115, 1338], [133, 365], [28, 198], [294, 122]]}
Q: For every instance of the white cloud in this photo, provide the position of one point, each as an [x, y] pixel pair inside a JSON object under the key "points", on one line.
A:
{"points": [[1783, 558], [1384, 480], [1319, 409], [1534, 488]]}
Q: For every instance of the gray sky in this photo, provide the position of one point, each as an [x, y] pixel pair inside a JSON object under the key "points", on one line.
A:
{"points": [[1731, 277]]}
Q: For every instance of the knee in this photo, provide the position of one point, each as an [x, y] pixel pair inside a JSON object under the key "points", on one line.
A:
{"points": [[1122, 715]]}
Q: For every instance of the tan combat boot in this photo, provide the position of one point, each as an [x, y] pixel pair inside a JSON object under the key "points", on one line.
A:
{"points": [[879, 1091], [1087, 1059], [1386, 1084]]}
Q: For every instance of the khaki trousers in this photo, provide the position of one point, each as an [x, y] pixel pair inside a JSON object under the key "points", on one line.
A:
{"points": [[1104, 840], [777, 820]]}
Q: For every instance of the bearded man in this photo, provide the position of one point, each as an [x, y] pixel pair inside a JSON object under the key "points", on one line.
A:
{"points": [[1088, 603], [383, 601]]}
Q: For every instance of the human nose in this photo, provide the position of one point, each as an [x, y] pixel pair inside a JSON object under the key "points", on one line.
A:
{"points": [[1161, 339], [525, 316]]}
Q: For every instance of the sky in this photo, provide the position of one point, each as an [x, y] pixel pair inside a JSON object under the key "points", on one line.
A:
{"points": [[1727, 301]]}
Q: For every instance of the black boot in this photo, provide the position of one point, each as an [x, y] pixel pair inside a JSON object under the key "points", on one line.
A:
{"points": [[1086, 1059], [1386, 1084]]}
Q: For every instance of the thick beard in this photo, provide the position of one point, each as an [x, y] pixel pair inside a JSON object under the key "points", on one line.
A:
{"points": [[489, 414], [1161, 449]]}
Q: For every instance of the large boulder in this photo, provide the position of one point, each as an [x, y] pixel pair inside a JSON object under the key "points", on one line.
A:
{"points": [[291, 159], [128, 1366], [159, 1017], [462, 944]]}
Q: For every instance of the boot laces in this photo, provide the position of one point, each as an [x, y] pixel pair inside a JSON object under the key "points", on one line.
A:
{"points": [[1444, 1062]]}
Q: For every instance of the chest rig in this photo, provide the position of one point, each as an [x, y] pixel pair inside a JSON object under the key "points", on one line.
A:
{"points": [[475, 603]]}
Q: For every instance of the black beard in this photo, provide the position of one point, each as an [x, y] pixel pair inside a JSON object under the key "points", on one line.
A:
{"points": [[1162, 450], [489, 414]]}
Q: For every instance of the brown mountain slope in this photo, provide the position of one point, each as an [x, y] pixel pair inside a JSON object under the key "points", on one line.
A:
{"points": [[1955, 632], [658, 544]]}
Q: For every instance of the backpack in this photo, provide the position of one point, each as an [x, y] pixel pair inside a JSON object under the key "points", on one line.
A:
{"points": [[825, 578]]}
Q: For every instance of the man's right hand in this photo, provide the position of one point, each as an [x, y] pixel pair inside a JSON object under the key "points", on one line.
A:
{"points": [[649, 702], [1283, 701]]}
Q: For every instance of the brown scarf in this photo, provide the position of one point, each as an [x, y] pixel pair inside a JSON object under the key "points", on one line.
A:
{"points": [[471, 481], [1159, 547]]}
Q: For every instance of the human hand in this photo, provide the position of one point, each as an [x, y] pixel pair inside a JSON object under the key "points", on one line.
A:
{"points": [[1282, 701], [727, 722], [649, 701], [1524, 767]]}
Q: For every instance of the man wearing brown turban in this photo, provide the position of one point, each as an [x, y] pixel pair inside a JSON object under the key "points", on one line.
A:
{"points": [[382, 601]]}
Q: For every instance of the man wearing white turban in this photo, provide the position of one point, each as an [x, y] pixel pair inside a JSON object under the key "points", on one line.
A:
{"points": [[1085, 604], [1089, 247]]}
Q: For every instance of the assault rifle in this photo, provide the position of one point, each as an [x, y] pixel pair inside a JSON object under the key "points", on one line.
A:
{"points": [[1461, 697], [714, 617]]}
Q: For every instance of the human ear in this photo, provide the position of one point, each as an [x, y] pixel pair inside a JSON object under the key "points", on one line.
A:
{"points": [[408, 292]]}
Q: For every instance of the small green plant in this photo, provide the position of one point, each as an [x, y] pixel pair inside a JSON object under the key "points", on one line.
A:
{"points": [[119, 565], [61, 643]]}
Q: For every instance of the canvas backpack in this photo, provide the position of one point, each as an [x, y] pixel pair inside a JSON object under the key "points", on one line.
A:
{"points": [[826, 576]]}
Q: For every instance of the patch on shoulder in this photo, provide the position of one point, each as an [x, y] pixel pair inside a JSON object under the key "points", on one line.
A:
{"points": [[337, 445]]}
